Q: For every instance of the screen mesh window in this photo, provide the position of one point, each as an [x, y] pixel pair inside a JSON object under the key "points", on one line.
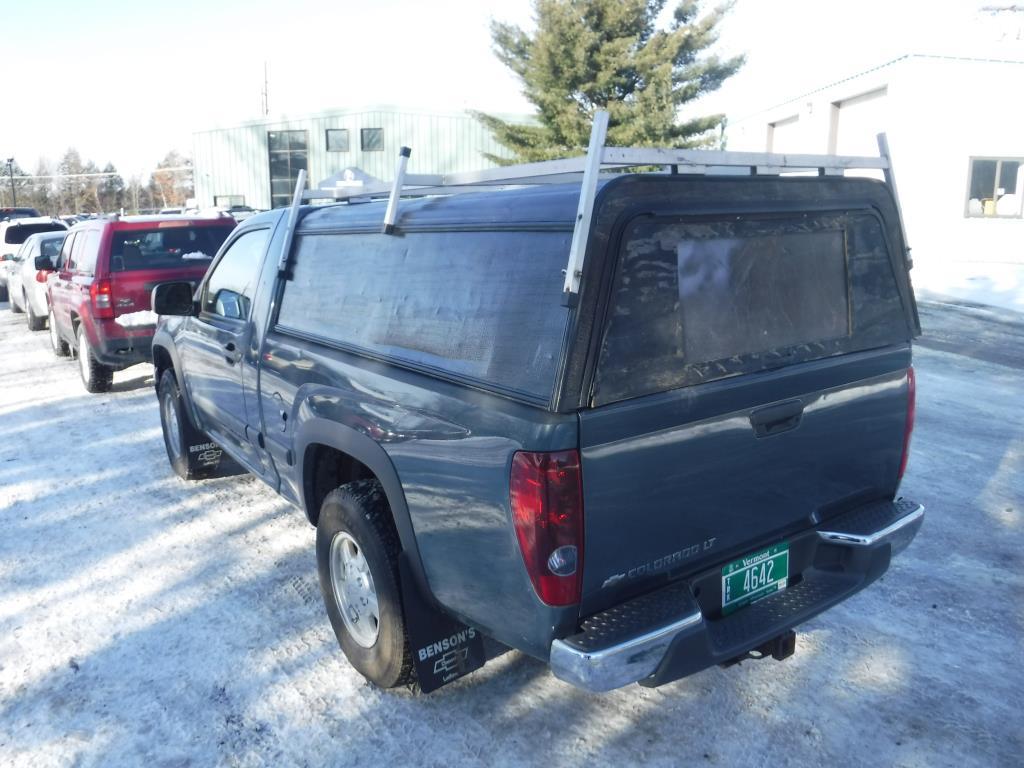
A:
{"points": [[484, 306], [289, 154], [371, 139], [995, 188], [693, 302], [337, 139]]}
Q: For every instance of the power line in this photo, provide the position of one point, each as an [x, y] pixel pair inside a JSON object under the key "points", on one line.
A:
{"points": [[175, 169]]}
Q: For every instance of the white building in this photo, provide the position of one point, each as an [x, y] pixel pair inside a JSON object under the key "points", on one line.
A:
{"points": [[257, 163], [956, 132]]}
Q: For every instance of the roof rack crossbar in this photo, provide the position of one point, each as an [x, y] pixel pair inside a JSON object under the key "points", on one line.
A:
{"points": [[587, 169]]}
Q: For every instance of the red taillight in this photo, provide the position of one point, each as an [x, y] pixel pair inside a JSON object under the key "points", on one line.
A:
{"points": [[100, 293], [41, 275], [911, 412], [546, 492]]}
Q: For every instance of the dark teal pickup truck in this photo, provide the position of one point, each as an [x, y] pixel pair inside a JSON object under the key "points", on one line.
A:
{"points": [[633, 430]]}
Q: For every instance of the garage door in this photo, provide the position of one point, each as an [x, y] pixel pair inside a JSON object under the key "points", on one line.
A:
{"points": [[784, 135], [857, 121]]}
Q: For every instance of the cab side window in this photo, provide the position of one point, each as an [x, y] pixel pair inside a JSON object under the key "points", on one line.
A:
{"points": [[230, 287], [85, 260], [65, 251], [77, 252]]}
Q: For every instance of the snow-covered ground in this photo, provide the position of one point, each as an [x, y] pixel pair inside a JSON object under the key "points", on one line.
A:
{"points": [[146, 621], [991, 283]]}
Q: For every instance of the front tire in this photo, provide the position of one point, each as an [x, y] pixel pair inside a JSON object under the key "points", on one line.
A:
{"points": [[357, 550], [96, 376], [191, 453], [59, 346], [16, 308]]}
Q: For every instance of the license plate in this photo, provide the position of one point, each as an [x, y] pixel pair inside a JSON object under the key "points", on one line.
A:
{"points": [[757, 575]]}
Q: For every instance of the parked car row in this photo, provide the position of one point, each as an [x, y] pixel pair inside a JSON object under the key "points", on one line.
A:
{"points": [[91, 284]]}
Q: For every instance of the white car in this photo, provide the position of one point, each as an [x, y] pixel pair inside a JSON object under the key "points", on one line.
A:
{"points": [[26, 284], [13, 234]]}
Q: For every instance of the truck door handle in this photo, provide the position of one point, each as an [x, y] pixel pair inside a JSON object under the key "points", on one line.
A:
{"points": [[776, 419]]}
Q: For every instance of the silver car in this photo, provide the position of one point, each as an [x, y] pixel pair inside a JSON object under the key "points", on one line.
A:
{"points": [[27, 284]]}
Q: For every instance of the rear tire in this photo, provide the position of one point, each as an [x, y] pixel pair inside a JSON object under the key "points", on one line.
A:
{"points": [[357, 550], [191, 453], [59, 346], [96, 376], [35, 322], [3, 294]]}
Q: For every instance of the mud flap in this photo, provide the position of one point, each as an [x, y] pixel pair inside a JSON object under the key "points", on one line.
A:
{"points": [[443, 648], [207, 456]]}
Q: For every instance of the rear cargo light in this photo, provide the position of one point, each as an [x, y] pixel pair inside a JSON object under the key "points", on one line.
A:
{"points": [[911, 413], [546, 492], [100, 293]]}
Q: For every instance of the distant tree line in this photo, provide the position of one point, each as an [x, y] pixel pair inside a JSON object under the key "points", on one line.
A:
{"points": [[75, 185]]}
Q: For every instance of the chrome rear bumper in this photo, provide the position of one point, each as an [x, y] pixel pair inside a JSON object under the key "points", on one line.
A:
{"points": [[664, 635]]}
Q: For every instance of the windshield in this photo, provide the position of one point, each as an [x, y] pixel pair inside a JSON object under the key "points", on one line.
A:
{"points": [[165, 248], [50, 246]]}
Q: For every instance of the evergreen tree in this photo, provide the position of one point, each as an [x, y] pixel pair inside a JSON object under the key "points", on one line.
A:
{"points": [[111, 190], [90, 197], [70, 187], [610, 54]]}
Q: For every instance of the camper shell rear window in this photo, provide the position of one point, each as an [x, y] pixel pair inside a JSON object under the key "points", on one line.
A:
{"points": [[698, 300]]}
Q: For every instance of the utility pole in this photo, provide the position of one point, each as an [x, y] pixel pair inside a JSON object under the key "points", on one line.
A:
{"points": [[10, 172]]}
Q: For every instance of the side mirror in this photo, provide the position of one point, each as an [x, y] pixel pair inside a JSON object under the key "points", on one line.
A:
{"points": [[173, 299], [43, 262]]}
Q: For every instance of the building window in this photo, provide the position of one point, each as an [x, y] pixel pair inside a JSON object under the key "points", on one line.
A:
{"points": [[995, 187], [288, 155], [337, 139], [228, 201], [371, 139]]}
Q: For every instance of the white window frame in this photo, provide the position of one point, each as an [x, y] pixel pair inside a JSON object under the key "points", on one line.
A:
{"points": [[995, 187]]}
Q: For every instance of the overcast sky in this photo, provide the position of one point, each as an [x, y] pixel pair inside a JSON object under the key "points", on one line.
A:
{"points": [[128, 80]]}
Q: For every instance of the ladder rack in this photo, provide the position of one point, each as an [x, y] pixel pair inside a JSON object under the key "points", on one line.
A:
{"points": [[586, 170]]}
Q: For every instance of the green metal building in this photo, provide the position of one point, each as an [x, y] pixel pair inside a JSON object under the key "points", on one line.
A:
{"points": [[257, 163]]}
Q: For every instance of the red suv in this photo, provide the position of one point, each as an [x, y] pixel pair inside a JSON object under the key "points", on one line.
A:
{"points": [[99, 293]]}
